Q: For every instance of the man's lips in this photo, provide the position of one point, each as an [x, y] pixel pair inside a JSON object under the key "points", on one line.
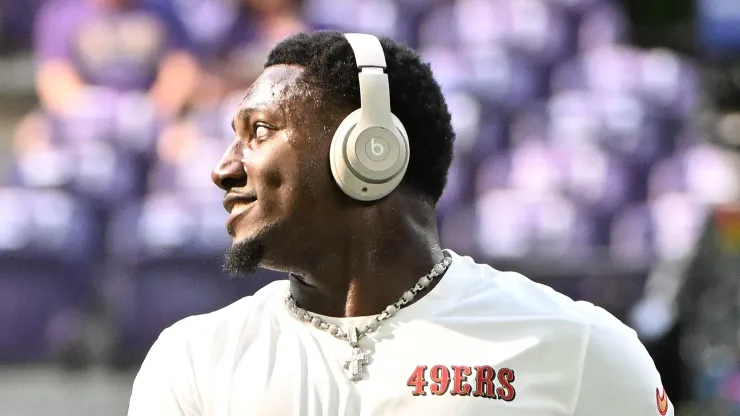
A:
{"points": [[232, 199], [237, 204]]}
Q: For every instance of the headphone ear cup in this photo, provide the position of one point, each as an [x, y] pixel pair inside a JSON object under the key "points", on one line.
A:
{"points": [[345, 177], [337, 158], [403, 138]]}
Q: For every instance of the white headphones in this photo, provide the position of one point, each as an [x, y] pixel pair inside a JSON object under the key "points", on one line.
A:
{"points": [[370, 149]]}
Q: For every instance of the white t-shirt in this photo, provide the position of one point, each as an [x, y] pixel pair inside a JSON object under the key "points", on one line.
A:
{"points": [[482, 342]]}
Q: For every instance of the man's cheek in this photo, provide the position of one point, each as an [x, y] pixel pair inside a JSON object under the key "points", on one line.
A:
{"points": [[273, 179]]}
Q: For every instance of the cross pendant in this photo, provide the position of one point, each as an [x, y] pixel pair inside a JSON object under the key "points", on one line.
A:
{"points": [[357, 364]]}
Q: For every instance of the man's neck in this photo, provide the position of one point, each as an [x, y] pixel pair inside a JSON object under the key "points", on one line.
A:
{"points": [[370, 269]]}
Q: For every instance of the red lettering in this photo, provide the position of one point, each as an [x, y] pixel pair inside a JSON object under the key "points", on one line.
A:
{"points": [[417, 381], [484, 375], [506, 377], [440, 375], [460, 387]]}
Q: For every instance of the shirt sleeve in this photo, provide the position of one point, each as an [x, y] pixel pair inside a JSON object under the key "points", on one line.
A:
{"points": [[165, 384], [619, 377], [53, 27]]}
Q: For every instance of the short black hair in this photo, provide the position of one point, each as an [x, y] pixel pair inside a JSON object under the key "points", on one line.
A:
{"points": [[416, 97]]}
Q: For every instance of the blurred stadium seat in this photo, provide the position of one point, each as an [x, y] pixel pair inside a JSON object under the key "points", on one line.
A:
{"points": [[46, 280]]}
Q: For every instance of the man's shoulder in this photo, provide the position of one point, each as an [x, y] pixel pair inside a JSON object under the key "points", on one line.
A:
{"points": [[512, 295], [614, 356], [517, 294], [229, 321], [607, 334]]}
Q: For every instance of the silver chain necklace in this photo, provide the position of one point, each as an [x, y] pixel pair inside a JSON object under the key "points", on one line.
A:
{"points": [[360, 358]]}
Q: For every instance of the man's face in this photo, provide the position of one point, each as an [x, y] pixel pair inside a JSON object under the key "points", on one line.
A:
{"points": [[276, 177]]}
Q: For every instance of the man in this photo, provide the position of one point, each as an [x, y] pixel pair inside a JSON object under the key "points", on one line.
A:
{"points": [[376, 319]]}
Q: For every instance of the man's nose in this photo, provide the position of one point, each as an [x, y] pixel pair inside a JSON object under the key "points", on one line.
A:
{"points": [[229, 171]]}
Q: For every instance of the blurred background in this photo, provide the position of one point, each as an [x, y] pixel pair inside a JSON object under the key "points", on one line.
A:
{"points": [[596, 153]]}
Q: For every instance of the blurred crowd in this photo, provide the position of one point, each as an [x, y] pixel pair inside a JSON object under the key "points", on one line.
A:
{"points": [[573, 147]]}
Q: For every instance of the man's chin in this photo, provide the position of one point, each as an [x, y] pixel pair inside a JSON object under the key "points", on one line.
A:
{"points": [[243, 257]]}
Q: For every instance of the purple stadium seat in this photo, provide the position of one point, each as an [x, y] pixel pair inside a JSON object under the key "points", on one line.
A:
{"points": [[492, 136], [575, 118], [578, 8], [633, 129], [632, 234], [608, 68], [124, 120], [622, 114], [568, 75], [215, 121], [595, 179], [535, 168], [529, 124], [517, 223], [493, 173], [382, 18], [501, 77], [668, 83], [535, 28], [94, 120], [600, 25], [168, 251], [711, 174], [450, 70], [677, 220], [688, 135], [46, 241], [479, 129], [504, 224], [92, 170], [666, 176], [562, 229], [136, 124], [466, 112], [477, 57], [205, 26], [184, 161], [458, 229], [419, 6], [475, 23], [435, 27]]}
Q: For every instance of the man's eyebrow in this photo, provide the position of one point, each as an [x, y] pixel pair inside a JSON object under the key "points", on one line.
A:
{"points": [[243, 114]]}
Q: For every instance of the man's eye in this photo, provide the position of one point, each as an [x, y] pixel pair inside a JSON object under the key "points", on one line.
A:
{"points": [[260, 131]]}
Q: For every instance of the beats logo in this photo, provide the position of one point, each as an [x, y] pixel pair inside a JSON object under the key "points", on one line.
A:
{"points": [[377, 149]]}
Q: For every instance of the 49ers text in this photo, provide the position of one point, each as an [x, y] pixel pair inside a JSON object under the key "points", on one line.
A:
{"points": [[462, 380]]}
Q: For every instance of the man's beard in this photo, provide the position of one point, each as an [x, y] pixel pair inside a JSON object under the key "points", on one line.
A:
{"points": [[243, 257]]}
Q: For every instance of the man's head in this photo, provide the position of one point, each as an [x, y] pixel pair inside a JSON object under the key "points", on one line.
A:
{"points": [[285, 207]]}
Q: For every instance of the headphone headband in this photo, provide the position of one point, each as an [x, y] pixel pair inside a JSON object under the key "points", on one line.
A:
{"points": [[367, 49]]}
